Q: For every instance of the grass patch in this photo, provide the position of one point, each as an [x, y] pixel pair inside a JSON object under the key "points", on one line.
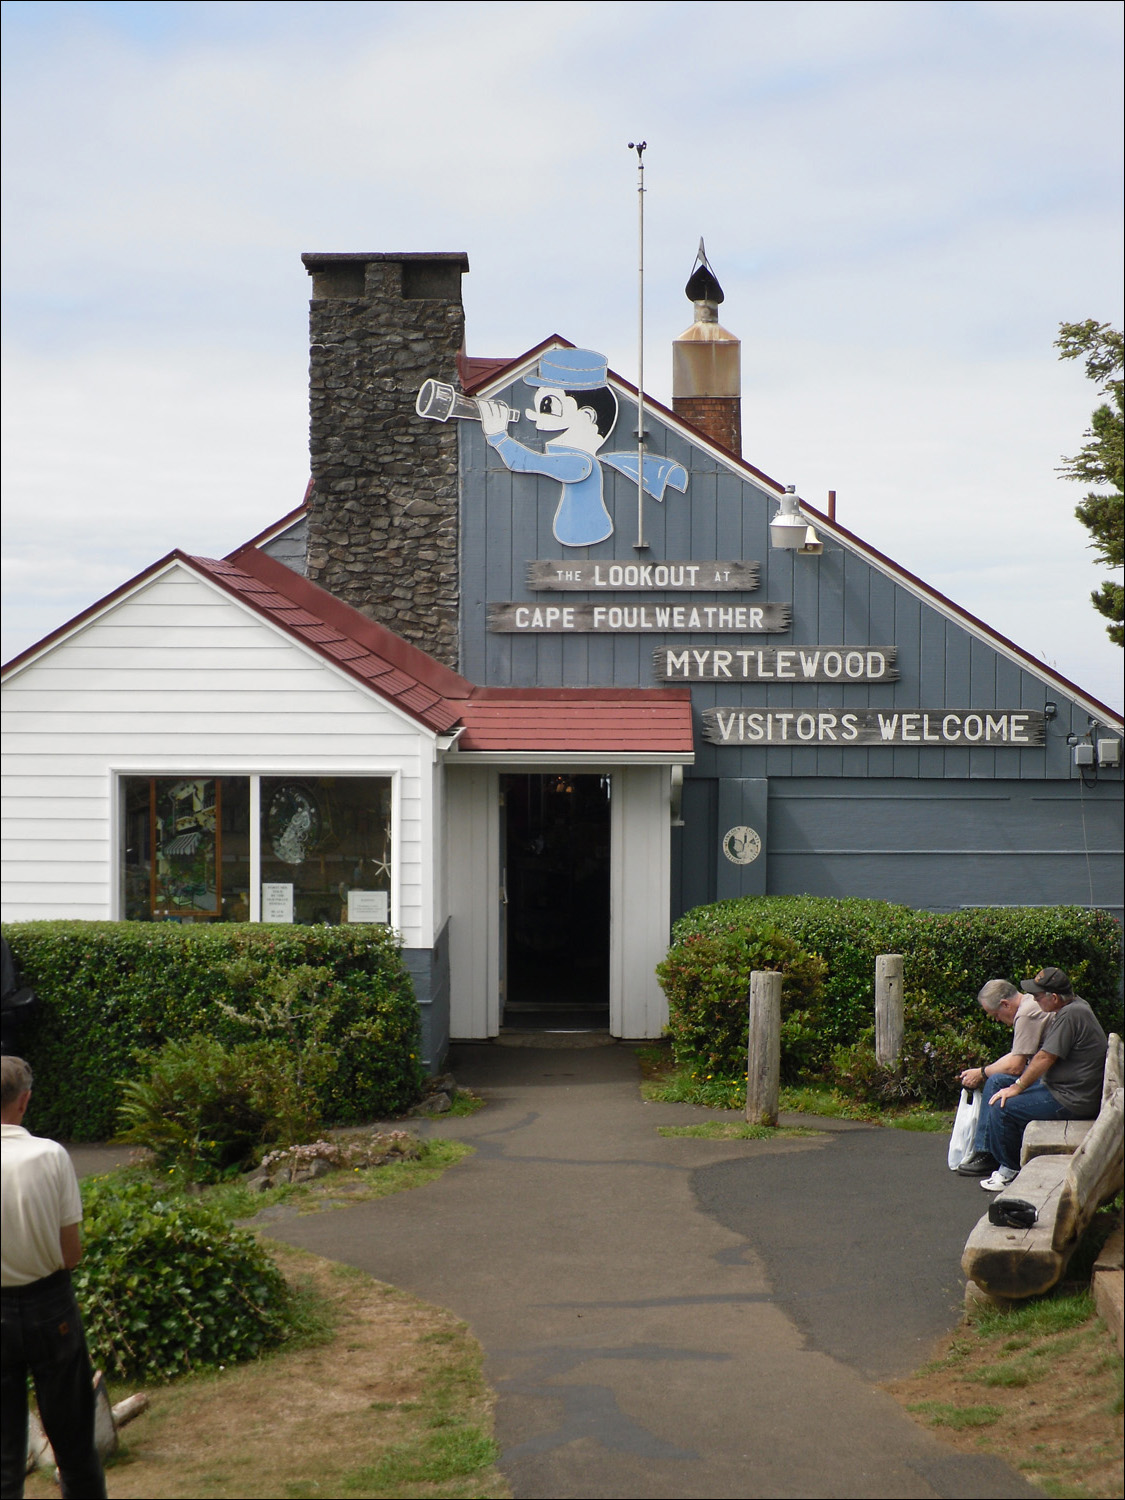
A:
{"points": [[666, 1082], [733, 1130], [464, 1102], [1054, 1383], [386, 1399], [439, 1457], [945, 1414], [360, 1185]]}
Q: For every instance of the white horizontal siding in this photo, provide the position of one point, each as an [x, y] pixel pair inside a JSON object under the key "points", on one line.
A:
{"points": [[178, 679]]}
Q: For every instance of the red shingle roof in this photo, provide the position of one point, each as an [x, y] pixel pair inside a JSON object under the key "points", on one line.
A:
{"points": [[610, 721], [603, 721], [380, 659]]}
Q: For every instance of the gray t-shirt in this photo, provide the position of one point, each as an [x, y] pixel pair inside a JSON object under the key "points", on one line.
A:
{"points": [[1075, 1038]]}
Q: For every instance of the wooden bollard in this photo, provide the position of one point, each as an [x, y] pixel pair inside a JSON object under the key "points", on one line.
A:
{"points": [[763, 1055], [888, 1009]]}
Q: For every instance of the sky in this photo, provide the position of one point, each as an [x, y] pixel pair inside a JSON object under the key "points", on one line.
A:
{"points": [[901, 200]]}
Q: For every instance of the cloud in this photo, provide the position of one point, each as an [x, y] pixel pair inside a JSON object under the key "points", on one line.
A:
{"points": [[902, 201]]}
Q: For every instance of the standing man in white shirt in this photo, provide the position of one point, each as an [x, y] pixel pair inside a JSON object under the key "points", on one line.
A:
{"points": [[41, 1217]]}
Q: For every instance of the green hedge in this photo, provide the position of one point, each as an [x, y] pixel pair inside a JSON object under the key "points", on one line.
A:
{"points": [[947, 957], [107, 989]]}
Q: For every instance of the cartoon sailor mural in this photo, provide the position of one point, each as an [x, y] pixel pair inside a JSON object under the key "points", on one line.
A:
{"points": [[576, 408]]}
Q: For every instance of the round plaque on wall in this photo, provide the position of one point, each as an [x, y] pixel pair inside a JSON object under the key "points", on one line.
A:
{"points": [[741, 845]]}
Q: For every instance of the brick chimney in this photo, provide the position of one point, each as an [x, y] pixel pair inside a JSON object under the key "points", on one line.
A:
{"points": [[383, 513], [707, 364]]}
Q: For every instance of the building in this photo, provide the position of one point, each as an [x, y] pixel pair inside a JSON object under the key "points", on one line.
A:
{"points": [[528, 690]]}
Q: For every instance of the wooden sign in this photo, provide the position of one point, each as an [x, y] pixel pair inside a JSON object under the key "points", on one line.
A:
{"points": [[705, 577], [994, 728], [775, 664], [637, 619]]}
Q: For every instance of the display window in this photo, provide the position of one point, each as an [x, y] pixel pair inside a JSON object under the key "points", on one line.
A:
{"points": [[322, 851]]}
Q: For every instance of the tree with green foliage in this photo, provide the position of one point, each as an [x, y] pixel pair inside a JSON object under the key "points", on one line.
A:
{"points": [[1100, 460]]}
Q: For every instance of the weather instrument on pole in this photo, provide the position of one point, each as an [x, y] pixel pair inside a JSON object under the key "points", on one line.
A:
{"points": [[640, 147]]}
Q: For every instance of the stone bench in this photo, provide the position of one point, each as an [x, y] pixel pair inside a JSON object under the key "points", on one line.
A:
{"points": [[1066, 1186]]}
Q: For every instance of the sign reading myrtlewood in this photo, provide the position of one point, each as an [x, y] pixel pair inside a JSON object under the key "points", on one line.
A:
{"points": [[993, 728], [775, 664]]}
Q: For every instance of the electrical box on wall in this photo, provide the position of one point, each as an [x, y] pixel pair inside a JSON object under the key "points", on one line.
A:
{"points": [[1083, 755], [1109, 752]]}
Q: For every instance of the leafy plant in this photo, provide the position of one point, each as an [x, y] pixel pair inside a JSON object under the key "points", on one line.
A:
{"points": [[167, 1285], [194, 1111], [706, 977]]}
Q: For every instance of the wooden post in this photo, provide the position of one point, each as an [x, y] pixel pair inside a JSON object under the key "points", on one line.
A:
{"points": [[888, 1009], [763, 1058]]}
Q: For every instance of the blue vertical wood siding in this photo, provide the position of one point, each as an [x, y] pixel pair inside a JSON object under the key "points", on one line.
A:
{"points": [[932, 826]]}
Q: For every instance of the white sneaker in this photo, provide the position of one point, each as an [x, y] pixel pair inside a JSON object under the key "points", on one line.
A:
{"points": [[999, 1179]]}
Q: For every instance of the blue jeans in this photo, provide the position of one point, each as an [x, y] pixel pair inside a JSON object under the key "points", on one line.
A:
{"points": [[992, 1083], [1007, 1121], [42, 1334]]}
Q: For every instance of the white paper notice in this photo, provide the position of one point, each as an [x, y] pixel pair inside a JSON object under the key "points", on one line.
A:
{"points": [[368, 906], [277, 902]]}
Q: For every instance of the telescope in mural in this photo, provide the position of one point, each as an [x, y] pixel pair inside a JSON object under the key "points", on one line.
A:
{"points": [[438, 401], [575, 410]]}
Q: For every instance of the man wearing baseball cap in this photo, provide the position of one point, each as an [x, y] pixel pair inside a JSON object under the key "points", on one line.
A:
{"points": [[1063, 1081]]}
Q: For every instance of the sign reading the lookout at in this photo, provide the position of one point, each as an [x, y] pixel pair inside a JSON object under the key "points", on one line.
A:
{"points": [[712, 576]]}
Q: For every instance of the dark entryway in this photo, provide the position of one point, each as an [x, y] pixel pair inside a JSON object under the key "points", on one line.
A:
{"points": [[555, 851]]}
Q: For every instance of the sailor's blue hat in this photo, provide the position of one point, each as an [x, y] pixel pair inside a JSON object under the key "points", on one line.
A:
{"points": [[570, 370]]}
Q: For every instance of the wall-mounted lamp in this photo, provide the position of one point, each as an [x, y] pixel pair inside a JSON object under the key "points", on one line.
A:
{"points": [[790, 529], [1050, 711]]}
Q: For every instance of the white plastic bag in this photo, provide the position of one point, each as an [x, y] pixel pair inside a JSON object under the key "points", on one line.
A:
{"points": [[964, 1127]]}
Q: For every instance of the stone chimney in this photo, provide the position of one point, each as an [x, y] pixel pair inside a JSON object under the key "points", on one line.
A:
{"points": [[383, 513], [707, 364]]}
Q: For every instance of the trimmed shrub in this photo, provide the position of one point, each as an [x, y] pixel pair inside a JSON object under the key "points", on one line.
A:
{"points": [[167, 1285], [107, 989], [706, 976], [946, 959]]}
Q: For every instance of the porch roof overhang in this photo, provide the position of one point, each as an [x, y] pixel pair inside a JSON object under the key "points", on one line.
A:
{"points": [[576, 726]]}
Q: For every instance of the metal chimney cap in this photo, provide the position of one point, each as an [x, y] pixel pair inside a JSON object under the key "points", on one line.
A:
{"points": [[703, 284]]}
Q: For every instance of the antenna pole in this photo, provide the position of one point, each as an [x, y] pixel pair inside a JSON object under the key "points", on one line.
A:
{"points": [[640, 545]]}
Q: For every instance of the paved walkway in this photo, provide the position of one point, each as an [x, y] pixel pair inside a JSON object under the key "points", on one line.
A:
{"points": [[678, 1317]]}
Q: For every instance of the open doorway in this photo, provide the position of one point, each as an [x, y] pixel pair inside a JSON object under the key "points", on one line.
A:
{"points": [[555, 833]]}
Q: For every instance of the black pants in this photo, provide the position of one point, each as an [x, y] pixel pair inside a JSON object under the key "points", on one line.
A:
{"points": [[42, 1333]]}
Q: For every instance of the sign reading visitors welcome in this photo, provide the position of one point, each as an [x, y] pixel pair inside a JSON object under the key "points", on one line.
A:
{"points": [[936, 726]]}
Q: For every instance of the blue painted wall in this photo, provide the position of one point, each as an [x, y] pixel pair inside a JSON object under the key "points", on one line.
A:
{"points": [[935, 827]]}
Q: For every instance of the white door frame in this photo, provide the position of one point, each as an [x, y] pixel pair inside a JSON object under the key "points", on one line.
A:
{"points": [[640, 892]]}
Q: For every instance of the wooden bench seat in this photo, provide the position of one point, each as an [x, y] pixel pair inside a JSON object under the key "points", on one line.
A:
{"points": [[1053, 1138], [1066, 1189]]}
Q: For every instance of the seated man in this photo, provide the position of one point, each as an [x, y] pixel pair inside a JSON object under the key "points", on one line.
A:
{"points": [[1071, 1056], [1004, 1001]]}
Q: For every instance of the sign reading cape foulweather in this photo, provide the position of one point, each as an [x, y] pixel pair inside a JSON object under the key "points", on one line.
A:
{"points": [[637, 619], [868, 726]]}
